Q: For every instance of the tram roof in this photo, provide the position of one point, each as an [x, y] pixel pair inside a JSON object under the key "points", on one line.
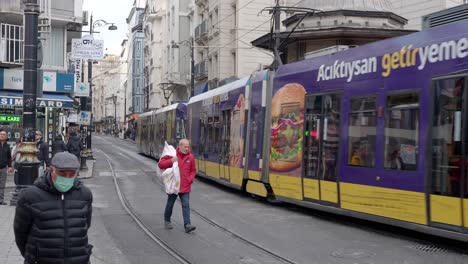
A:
{"points": [[220, 90], [168, 108]]}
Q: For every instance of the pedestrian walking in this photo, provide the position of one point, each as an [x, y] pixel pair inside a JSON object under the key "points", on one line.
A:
{"points": [[43, 155], [5, 164], [15, 157], [58, 145], [186, 164], [54, 215], [74, 145]]}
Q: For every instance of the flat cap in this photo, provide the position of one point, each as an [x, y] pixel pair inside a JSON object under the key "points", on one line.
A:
{"points": [[65, 161]]}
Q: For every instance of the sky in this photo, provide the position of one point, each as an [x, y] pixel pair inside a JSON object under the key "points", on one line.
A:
{"points": [[112, 11]]}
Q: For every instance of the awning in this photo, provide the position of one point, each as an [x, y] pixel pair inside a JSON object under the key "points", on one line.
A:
{"points": [[15, 98], [200, 88]]}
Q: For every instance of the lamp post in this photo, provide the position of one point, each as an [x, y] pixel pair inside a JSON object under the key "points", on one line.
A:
{"points": [[114, 98], [189, 44], [87, 103], [28, 164]]}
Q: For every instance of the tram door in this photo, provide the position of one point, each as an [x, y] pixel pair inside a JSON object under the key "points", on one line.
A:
{"points": [[448, 195], [321, 147], [225, 145], [202, 147]]}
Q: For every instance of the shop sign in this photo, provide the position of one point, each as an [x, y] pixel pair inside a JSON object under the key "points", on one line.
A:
{"points": [[64, 83], [10, 118], [12, 101], [51, 81], [13, 79], [82, 89], [87, 48], [78, 70], [84, 118], [72, 118]]}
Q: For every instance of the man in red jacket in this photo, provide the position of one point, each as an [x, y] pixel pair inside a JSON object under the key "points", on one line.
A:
{"points": [[187, 170]]}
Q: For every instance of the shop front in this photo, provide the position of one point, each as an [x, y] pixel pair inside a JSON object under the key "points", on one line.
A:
{"points": [[53, 103]]}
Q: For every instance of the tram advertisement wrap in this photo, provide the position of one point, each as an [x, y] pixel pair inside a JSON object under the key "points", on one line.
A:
{"points": [[287, 119], [236, 133]]}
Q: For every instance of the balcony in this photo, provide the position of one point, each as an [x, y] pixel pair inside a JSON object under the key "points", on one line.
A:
{"points": [[201, 30], [11, 45], [201, 70], [201, 2]]}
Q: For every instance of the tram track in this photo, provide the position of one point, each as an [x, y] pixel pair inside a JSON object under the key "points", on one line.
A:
{"points": [[129, 209], [205, 218]]}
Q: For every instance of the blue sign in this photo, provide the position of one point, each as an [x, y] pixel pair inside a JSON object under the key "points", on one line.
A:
{"points": [[65, 82], [12, 79]]}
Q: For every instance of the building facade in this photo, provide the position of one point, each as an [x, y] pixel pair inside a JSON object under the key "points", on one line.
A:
{"points": [[338, 25], [414, 10], [109, 93], [223, 32], [59, 21], [135, 59], [168, 27]]}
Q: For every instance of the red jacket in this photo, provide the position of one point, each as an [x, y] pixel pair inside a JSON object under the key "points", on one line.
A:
{"points": [[186, 167]]}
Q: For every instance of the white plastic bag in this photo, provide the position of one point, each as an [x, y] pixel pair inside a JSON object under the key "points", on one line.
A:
{"points": [[170, 176], [168, 150]]}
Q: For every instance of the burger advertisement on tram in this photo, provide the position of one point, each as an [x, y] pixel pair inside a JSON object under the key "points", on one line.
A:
{"points": [[287, 120]]}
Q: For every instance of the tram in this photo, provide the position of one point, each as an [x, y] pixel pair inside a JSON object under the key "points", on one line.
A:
{"points": [[377, 132], [155, 127]]}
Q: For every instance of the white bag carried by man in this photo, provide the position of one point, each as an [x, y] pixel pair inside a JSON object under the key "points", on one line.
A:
{"points": [[171, 176]]}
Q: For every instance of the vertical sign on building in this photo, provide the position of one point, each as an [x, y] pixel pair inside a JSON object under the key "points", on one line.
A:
{"points": [[78, 71]]}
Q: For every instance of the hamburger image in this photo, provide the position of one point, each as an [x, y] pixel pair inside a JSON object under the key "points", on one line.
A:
{"points": [[287, 114]]}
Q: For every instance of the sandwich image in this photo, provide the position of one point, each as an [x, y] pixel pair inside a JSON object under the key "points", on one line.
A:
{"points": [[287, 113]]}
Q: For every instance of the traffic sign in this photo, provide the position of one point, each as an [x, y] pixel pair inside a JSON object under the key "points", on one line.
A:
{"points": [[87, 48]]}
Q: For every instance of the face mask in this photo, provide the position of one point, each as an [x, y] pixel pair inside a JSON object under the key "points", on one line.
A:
{"points": [[63, 184]]}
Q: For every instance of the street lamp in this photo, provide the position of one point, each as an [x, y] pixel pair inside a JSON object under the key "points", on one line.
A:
{"points": [[88, 153], [114, 98], [189, 43], [28, 163]]}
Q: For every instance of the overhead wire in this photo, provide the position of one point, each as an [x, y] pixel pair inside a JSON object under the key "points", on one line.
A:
{"points": [[237, 38]]}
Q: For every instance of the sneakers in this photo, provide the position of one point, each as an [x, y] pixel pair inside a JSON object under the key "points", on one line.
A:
{"points": [[189, 228], [168, 225]]}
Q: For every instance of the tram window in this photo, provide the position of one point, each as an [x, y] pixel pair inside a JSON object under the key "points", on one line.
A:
{"points": [[449, 164], [401, 132], [362, 131]]}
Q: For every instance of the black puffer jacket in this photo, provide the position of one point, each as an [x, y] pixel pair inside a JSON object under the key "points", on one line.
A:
{"points": [[58, 146], [51, 227], [74, 145]]}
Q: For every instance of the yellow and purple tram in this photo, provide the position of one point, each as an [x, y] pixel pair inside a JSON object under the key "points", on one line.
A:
{"points": [[377, 132]]}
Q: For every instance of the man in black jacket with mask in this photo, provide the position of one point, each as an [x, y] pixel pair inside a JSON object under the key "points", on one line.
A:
{"points": [[53, 216]]}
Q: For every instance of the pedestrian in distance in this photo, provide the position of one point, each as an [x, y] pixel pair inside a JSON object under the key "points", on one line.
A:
{"points": [[58, 145], [74, 145], [15, 157], [43, 155], [53, 216], [5, 163], [186, 164]]}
